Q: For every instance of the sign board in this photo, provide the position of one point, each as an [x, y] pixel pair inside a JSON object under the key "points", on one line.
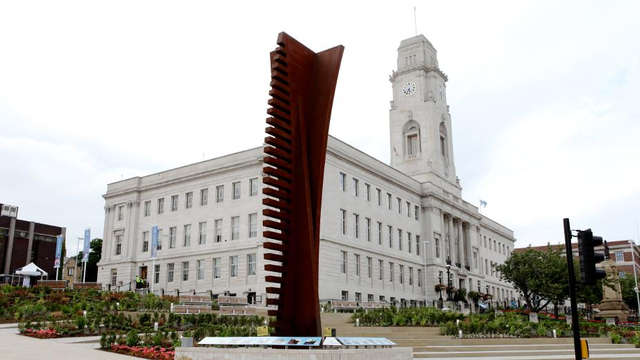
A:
{"points": [[611, 321], [8, 210], [569, 320], [533, 317], [56, 262], [154, 241], [262, 341], [327, 331], [331, 341], [362, 341], [87, 247], [263, 331]]}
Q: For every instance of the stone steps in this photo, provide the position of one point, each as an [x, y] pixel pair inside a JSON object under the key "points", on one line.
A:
{"points": [[530, 351]]}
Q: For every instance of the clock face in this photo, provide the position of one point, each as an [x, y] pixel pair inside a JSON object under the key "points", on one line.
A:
{"points": [[408, 89], [441, 91]]}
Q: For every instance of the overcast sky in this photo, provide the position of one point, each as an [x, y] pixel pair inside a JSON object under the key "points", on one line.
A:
{"points": [[544, 97]]}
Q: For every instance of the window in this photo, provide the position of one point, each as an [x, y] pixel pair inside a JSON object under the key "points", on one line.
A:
{"points": [[235, 187], [147, 208], [399, 205], [391, 273], [370, 297], [438, 248], [475, 260], [356, 226], [217, 232], [401, 274], [379, 197], [345, 295], [174, 203], [368, 229], [251, 261], [145, 241], [235, 227], [412, 145], [185, 271], [369, 267], [399, 239], [202, 239], [443, 139], [408, 209], [358, 297], [485, 241], [120, 213], [219, 193], [159, 239], [619, 256], [343, 264], [410, 276], [389, 201], [156, 274], [253, 225], [381, 270], [416, 212], [186, 241], [233, 266], [200, 266], [379, 233], [170, 272], [204, 197], [356, 187], [343, 221], [504, 251], [409, 240], [419, 277], [343, 182], [70, 271], [499, 249], [418, 245], [188, 200], [118, 244], [172, 237], [390, 228], [253, 187], [489, 243], [494, 246], [216, 268], [486, 267], [357, 264], [367, 191], [114, 277], [160, 206]]}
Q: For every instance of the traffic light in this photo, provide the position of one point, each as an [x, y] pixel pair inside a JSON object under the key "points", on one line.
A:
{"points": [[588, 258]]}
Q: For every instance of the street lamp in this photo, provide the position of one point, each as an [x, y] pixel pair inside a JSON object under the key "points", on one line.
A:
{"points": [[440, 291], [635, 276], [449, 282], [425, 272]]}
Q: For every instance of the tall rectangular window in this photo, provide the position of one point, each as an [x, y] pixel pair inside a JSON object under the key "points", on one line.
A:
{"points": [[356, 226], [120, 213], [399, 205], [159, 239], [114, 277], [118, 244], [343, 182], [204, 197], [217, 232], [391, 272], [410, 276], [409, 240], [174, 203], [390, 233], [356, 187], [145, 241], [416, 212], [186, 241], [202, 239], [235, 227], [200, 266], [619, 256], [408, 209], [389, 205], [343, 221], [156, 274], [170, 268], [438, 248], [399, 239], [357, 257], [251, 264], [412, 145], [236, 190], [420, 278], [380, 270], [253, 225], [172, 237], [369, 267], [379, 197], [343, 264], [147, 208], [219, 193], [379, 233], [368, 229], [401, 274], [233, 266], [253, 187], [188, 200], [185, 271], [367, 191], [418, 245], [216, 268], [160, 206]]}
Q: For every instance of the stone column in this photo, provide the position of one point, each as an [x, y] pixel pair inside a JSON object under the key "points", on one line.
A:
{"points": [[460, 243], [450, 238], [32, 227], [7, 259], [468, 245]]}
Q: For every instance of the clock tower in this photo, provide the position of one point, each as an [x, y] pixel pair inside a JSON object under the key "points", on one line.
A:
{"points": [[419, 119]]}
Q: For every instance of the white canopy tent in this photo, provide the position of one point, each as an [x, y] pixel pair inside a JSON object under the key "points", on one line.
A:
{"points": [[30, 270]]}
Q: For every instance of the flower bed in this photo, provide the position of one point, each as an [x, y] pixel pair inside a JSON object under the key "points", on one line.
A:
{"points": [[42, 333], [154, 352]]}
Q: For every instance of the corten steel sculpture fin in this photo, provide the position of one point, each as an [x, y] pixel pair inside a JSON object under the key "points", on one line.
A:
{"points": [[302, 87]]}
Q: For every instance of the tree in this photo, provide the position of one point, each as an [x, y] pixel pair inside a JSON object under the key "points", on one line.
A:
{"points": [[627, 285], [60, 270], [95, 254], [541, 276]]}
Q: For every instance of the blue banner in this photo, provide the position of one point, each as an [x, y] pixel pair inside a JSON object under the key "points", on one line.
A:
{"points": [[154, 241], [56, 262], [87, 248]]}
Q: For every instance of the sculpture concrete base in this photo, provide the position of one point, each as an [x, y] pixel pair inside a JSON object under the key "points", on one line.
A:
{"points": [[209, 353], [614, 308]]}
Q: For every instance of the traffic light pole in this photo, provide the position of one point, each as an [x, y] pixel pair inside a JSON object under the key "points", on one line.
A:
{"points": [[575, 324]]}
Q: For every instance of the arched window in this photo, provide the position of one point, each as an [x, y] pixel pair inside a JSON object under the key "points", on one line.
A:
{"points": [[411, 132], [443, 139]]}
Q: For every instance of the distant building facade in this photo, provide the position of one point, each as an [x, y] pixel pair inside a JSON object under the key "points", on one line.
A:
{"points": [[23, 242], [387, 232]]}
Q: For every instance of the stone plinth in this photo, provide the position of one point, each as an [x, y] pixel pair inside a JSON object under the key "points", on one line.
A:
{"points": [[208, 353], [612, 305]]}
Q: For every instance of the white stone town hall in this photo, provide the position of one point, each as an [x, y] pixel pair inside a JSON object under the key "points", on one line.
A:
{"points": [[386, 231]]}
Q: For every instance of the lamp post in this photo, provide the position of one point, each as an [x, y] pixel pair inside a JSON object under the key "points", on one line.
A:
{"points": [[635, 276], [487, 287], [448, 282], [440, 299], [425, 272]]}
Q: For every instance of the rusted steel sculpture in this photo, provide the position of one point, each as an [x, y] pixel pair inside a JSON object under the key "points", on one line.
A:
{"points": [[302, 88]]}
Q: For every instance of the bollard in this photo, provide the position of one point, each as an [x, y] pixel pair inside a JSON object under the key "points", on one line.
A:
{"points": [[459, 334], [554, 334], [357, 322], [457, 322], [155, 326], [186, 341], [84, 313]]}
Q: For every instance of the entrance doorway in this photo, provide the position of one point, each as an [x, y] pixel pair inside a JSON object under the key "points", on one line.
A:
{"points": [[143, 272]]}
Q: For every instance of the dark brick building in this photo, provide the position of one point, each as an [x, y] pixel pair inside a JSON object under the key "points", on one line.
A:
{"points": [[23, 241]]}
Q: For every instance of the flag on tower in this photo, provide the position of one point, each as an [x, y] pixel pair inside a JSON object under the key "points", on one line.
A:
{"points": [[483, 203]]}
